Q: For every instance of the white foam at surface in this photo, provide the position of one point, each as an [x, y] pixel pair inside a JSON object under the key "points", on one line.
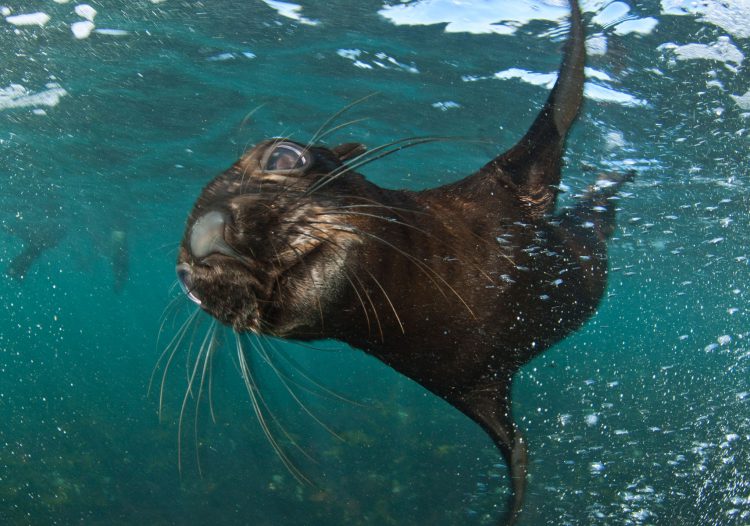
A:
{"points": [[393, 62], [446, 105], [85, 11], [17, 96], [617, 14], [615, 140], [596, 45], [605, 94], [82, 29], [30, 19], [474, 17], [732, 16], [743, 101], [382, 60], [592, 419], [537, 79], [506, 16], [722, 50], [611, 14], [351, 54], [591, 90], [222, 57], [112, 32], [61, 1], [5, 11], [290, 10], [596, 74], [642, 26]]}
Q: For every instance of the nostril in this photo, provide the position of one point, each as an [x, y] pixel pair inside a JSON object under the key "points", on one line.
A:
{"points": [[207, 236], [185, 277]]}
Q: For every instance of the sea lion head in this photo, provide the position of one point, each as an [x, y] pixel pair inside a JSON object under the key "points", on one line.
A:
{"points": [[266, 242]]}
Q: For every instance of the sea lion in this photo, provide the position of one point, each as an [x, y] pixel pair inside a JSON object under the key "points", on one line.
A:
{"points": [[35, 244], [120, 258], [455, 287], [39, 237]]}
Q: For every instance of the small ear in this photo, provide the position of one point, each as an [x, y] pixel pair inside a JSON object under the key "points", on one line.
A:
{"points": [[349, 150]]}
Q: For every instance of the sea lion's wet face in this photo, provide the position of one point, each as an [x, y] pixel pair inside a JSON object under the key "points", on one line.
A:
{"points": [[267, 239]]}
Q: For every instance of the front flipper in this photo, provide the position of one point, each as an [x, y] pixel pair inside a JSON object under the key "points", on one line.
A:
{"points": [[490, 408], [531, 168]]}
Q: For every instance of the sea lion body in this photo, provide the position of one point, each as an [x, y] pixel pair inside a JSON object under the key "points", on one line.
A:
{"points": [[455, 287]]}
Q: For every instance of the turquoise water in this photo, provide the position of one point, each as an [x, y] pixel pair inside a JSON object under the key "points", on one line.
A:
{"points": [[641, 417]]}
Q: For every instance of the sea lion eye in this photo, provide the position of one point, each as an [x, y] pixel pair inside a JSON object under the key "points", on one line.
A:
{"points": [[285, 157]]}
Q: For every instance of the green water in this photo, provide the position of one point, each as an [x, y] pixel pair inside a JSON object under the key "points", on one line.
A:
{"points": [[641, 417]]}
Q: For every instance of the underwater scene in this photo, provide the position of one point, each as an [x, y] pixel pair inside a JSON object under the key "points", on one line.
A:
{"points": [[121, 402]]}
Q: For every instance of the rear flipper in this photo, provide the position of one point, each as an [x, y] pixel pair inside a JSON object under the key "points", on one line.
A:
{"points": [[490, 408]]}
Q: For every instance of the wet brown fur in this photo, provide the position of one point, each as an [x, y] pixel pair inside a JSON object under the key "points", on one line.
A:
{"points": [[455, 287]]}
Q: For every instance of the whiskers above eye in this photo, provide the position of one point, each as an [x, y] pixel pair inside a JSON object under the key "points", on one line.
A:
{"points": [[377, 153], [337, 128], [322, 132]]}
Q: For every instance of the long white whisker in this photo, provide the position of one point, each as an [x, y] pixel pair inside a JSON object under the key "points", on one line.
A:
{"points": [[371, 156], [298, 369], [246, 119], [263, 352], [162, 323], [174, 344], [337, 128], [364, 289], [209, 344], [255, 399], [319, 133], [210, 359], [388, 299], [188, 391], [426, 269], [412, 227]]}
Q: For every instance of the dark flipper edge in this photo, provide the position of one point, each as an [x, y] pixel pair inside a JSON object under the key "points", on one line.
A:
{"points": [[490, 408], [532, 167]]}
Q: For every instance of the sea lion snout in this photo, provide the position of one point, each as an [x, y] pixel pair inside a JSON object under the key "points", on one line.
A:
{"points": [[207, 236], [206, 239]]}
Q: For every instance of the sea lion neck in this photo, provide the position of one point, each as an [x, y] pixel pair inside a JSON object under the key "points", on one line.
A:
{"points": [[475, 195]]}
